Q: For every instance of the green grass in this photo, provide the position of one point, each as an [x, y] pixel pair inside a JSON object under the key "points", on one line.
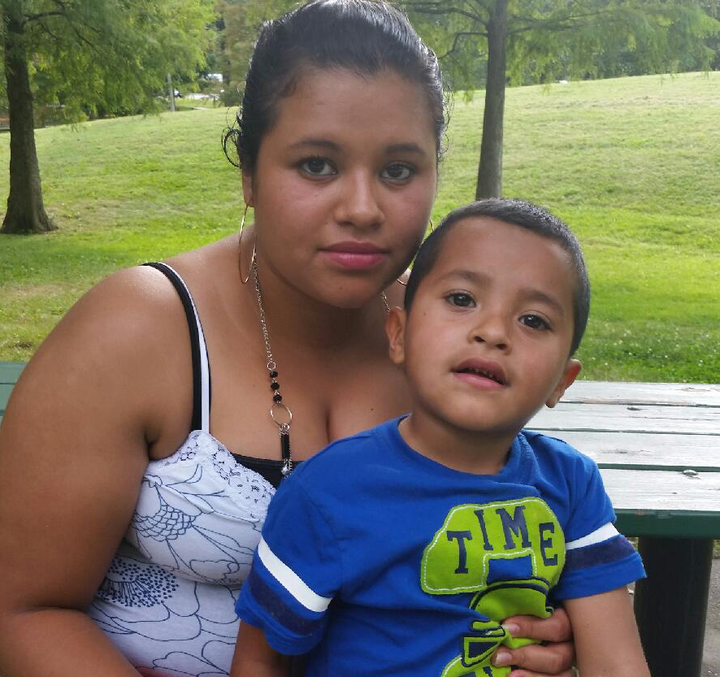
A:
{"points": [[632, 164]]}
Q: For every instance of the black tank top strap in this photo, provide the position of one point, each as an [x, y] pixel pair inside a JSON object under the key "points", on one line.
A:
{"points": [[198, 348]]}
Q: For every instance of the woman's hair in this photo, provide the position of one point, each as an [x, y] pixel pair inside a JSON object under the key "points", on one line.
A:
{"points": [[518, 213], [361, 36]]}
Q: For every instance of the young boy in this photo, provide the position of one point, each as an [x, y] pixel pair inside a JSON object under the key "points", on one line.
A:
{"points": [[398, 552]]}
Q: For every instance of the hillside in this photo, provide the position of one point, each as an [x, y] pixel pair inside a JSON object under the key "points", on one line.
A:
{"points": [[633, 165]]}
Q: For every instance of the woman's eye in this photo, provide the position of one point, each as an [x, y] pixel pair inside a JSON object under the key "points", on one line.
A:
{"points": [[535, 322], [460, 300], [397, 172], [317, 166]]}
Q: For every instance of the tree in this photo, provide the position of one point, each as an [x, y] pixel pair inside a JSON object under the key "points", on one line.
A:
{"points": [[81, 56], [236, 37], [545, 38], [239, 26]]}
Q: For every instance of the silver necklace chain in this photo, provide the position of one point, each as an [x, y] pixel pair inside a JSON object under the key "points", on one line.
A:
{"points": [[280, 413]]}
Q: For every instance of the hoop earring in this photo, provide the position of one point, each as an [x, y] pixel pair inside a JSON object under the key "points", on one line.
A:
{"points": [[399, 280], [244, 280]]}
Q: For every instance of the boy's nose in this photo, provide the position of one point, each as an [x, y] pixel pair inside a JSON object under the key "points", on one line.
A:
{"points": [[358, 205], [493, 331]]}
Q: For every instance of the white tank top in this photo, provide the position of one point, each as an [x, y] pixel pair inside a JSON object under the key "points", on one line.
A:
{"points": [[168, 598]]}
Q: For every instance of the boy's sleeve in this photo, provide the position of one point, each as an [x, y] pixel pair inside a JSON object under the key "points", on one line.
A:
{"points": [[598, 558], [295, 573]]}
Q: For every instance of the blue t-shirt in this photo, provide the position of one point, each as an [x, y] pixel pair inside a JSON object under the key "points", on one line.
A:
{"points": [[405, 567]]}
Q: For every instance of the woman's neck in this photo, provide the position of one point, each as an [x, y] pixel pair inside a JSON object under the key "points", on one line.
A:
{"points": [[295, 317]]}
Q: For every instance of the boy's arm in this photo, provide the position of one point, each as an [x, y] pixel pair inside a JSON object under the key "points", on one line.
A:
{"points": [[254, 657], [607, 643]]}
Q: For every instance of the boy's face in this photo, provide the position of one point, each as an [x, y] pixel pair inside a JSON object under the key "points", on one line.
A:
{"points": [[487, 341]]}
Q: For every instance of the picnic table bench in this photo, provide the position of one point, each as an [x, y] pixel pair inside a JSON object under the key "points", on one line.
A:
{"points": [[658, 449]]}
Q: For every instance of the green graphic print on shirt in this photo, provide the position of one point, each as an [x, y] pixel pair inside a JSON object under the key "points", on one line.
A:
{"points": [[508, 554]]}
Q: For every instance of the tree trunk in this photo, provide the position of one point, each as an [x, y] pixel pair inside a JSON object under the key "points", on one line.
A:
{"points": [[25, 210], [490, 170]]}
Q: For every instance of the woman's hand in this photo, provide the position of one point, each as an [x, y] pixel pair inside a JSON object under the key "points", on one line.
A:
{"points": [[536, 660]]}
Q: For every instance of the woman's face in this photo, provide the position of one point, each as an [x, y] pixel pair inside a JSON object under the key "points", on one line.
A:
{"points": [[344, 184]]}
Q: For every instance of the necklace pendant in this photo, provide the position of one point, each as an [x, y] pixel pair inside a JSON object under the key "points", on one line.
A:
{"points": [[285, 451]]}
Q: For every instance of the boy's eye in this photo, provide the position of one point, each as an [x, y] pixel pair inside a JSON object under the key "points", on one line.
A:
{"points": [[397, 172], [460, 300], [535, 322], [317, 166]]}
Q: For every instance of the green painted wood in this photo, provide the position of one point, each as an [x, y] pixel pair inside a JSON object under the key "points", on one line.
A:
{"points": [[9, 374], [672, 621], [668, 525], [5, 390], [10, 371]]}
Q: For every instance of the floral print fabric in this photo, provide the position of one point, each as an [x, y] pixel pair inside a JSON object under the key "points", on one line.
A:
{"points": [[168, 599]]}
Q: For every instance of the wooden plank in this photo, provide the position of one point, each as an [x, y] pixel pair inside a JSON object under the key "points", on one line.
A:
{"points": [[666, 503], [9, 374], [647, 451], [620, 418], [638, 411], [10, 371], [5, 389], [666, 394]]}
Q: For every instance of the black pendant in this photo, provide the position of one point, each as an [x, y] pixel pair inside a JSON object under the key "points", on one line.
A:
{"points": [[285, 450]]}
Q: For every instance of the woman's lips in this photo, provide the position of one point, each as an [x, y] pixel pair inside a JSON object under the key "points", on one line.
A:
{"points": [[354, 255]]}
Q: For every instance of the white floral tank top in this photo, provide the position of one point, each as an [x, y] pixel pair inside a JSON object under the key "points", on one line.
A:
{"points": [[168, 598]]}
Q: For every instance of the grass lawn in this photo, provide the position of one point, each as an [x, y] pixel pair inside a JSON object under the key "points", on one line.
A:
{"points": [[632, 164]]}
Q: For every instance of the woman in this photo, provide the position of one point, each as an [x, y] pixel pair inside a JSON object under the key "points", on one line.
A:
{"points": [[130, 506]]}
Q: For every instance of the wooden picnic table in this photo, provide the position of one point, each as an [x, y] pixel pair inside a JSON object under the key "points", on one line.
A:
{"points": [[9, 374], [658, 448]]}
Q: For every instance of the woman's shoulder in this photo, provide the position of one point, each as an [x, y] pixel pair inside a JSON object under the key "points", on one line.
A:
{"points": [[210, 268], [120, 324], [139, 304], [132, 307], [125, 341]]}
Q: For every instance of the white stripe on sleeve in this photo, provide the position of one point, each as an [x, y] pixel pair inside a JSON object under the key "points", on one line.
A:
{"points": [[604, 533], [290, 580]]}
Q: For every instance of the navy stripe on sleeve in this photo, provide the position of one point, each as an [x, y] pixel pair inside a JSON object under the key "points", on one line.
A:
{"points": [[611, 550], [266, 597]]}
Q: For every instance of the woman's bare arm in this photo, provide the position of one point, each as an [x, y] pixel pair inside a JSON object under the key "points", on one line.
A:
{"points": [[73, 449]]}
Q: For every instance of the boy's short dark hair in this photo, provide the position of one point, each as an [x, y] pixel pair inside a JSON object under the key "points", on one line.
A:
{"points": [[518, 213]]}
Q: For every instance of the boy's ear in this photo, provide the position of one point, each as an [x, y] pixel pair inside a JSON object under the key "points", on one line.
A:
{"points": [[247, 186], [395, 330], [572, 369]]}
